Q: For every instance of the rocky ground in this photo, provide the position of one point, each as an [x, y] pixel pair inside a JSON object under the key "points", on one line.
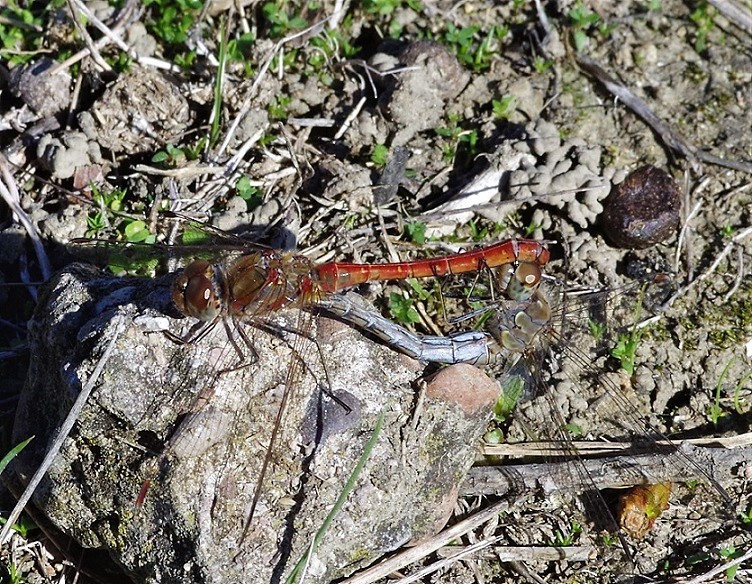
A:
{"points": [[381, 131]]}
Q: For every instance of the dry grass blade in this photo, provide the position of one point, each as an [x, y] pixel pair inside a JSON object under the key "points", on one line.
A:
{"points": [[423, 549], [9, 193]]}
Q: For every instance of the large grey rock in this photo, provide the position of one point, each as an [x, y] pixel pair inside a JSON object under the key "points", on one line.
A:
{"points": [[215, 411]]}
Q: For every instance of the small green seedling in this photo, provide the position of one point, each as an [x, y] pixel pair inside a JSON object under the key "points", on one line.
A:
{"points": [[610, 540], [562, 539], [248, 192], [574, 430], [626, 349], [107, 204], [626, 346], [704, 19], [504, 108], [730, 553], [417, 232], [380, 155], [746, 516], [715, 412], [170, 156], [597, 329], [401, 307], [172, 20], [280, 20], [582, 19]]}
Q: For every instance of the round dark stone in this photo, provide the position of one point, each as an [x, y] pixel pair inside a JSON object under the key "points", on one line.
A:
{"points": [[643, 210]]}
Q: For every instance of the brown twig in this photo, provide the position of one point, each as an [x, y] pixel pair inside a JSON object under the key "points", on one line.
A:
{"points": [[673, 140]]}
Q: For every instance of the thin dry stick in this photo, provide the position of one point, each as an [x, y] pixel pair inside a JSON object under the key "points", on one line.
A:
{"points": [[736, 14], [183, 173], [590, 448], [713, 267], [114, 36], [683, 233], [413, 554], [543, 19], [9, 192], [571, 553], [73, 108], [337, 14], [664, 131], [469, 550], [63, 432], [111, 35], [246, 106], [75, 11], [739, 275], [350, 117], [238, 157]]}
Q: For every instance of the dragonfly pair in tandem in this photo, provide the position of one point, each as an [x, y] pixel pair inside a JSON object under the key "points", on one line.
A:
{"points": [[259, 283], [521, 319]]}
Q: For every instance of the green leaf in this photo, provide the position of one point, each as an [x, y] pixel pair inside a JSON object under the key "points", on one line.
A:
{"points": [[574, 430], [341, 499], [13, 453], [417, 232], [504, 108], [138, 232], [512, 388], [418, 288], [402, 309], [380, 155]]}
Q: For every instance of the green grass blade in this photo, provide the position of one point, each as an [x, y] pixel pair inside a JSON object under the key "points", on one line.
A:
{"points": [[13, 453], [347, 489]]}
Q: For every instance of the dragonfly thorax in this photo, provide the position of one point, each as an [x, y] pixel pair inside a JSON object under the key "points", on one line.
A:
{"points": [[515, 330], [269, 280]]}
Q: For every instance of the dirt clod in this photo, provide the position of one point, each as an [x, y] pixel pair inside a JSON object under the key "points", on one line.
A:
{"points": [[643, 210]]}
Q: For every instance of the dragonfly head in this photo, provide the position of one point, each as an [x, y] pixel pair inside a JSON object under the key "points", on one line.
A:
{"points": [[197, 291], [521, 281]]}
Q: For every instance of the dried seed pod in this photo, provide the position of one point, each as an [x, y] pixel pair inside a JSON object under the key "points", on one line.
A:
{"points": [[643, 210], [641, 506]]}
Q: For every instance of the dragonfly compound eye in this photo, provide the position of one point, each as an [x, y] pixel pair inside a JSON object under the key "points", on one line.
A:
{"points": [[525, 280], [194, 291], [528, 274]]}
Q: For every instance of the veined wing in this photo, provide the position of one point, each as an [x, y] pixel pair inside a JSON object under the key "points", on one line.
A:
{"points": [[581, 400]]}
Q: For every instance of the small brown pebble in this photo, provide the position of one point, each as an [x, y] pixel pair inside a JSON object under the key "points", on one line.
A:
{"points": [[643, 210], [467, 386]]}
